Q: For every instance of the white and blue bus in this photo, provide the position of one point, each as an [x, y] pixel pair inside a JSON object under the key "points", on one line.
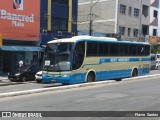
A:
{"points": [[87, 59]]}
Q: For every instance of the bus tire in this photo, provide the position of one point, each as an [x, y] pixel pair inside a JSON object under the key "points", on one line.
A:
{"points": [[91, 77], [134, 72]]}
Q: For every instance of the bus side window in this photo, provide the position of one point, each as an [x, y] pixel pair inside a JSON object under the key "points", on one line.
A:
{"points": [[132, 50], [103, 49], [123, 50], [114, 49], [140, 50], [92, 48], [78, 55], [147, 50]]}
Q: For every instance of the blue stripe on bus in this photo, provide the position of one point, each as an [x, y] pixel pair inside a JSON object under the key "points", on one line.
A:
{"points": [[108, 60], [134, 59], [146, 59], [103, 75]]}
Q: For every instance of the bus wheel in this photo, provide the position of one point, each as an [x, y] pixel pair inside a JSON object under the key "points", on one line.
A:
{"points": [[91, 77], [134, 73]]}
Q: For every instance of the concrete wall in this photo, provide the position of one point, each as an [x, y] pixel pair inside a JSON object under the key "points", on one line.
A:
{"points": [[104, 15]]}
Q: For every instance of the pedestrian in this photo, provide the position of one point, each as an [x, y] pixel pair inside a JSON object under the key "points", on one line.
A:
{"points": [[20, 63]]}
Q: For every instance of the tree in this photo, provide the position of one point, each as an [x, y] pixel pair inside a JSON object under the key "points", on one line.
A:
{"points": [[155, 48]]}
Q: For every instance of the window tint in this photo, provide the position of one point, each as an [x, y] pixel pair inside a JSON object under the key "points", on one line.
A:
{"points": [[147, 50], [92, 48], [140, 49], [116, 49], [103, 49], [97, 49], [78, 55], [132, 49], [123, 51]]}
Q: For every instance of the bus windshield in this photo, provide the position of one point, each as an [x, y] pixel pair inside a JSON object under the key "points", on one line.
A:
{"points": [[57, 57]]}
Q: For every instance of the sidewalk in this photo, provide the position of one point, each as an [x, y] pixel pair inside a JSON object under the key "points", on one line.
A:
{"points": [[3, 75], [3, 78], [5, 81]]}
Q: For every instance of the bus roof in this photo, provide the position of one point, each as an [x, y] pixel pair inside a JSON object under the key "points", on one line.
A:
{"points": [[82, 37], [91, 38]]}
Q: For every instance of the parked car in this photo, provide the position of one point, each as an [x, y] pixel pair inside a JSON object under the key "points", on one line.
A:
{"points": [[157, 64], [23, 73], [38, 77]]}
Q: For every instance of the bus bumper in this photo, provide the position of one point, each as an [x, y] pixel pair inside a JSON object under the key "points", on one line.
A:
{"points": [[50, 79], [65, 79]]}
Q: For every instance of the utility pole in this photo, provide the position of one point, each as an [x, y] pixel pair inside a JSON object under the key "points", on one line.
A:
{"points": [[90, 20], [91, 16]]}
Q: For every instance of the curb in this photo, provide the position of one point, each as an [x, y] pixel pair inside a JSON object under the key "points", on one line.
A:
{"points": [[10, 83], [5, 82], [142, 77], [17, 93]]}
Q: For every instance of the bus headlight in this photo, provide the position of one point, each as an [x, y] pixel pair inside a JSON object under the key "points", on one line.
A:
{"points": [[64, 75]]}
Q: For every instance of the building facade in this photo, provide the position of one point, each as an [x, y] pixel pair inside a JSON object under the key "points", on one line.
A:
{"points": [[58, 19], [154, 15], [26, 26], [132, 19]]}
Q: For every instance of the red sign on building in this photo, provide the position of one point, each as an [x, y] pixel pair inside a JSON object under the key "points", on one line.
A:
{"points": [[20, 19]]}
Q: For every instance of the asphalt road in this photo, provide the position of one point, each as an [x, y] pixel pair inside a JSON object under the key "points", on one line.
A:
{"points": [[134, 95]]}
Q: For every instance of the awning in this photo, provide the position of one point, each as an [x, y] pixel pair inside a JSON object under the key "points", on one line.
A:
{"points": [[20, 48]]}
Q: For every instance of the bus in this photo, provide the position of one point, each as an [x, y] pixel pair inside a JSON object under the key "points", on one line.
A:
{"points": [[83, 59]]}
